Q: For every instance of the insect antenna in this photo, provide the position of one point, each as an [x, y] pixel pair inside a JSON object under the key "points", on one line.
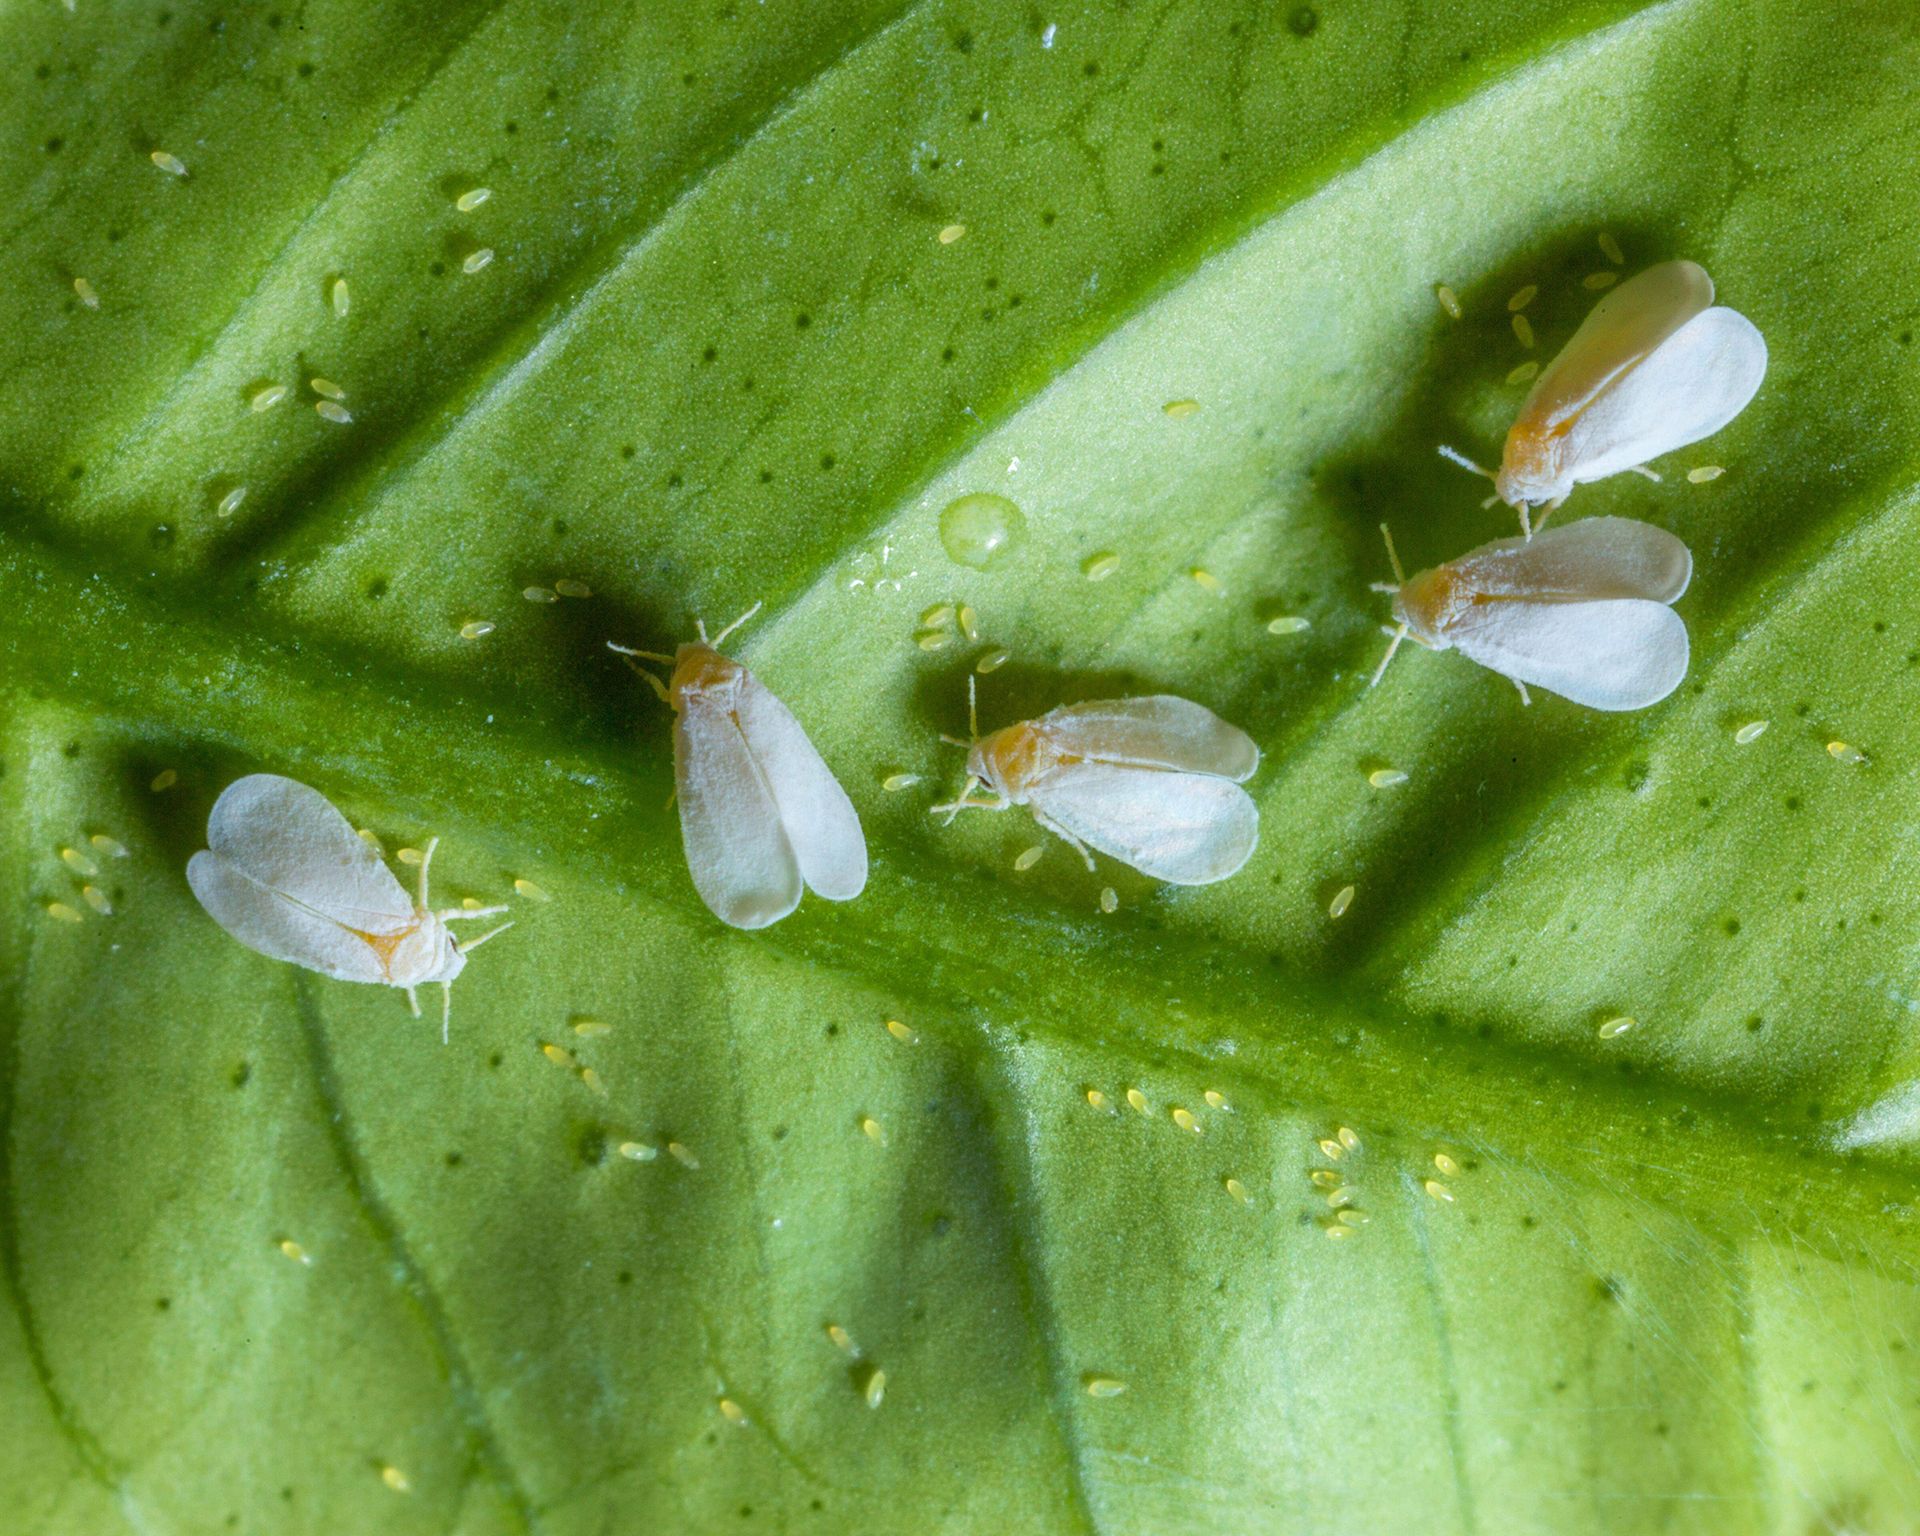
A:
{"points": [[1455, 456], [720, 639], [1393, 559], [627, 655], [426, 861], [468, 946]]}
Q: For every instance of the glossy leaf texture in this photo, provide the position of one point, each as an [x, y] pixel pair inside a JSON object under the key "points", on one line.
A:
{"points": [[758, 290]]}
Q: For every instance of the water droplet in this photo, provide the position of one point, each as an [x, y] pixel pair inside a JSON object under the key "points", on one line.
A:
{"points": [[566, 586], [395, 1479], [266, 399], [1185, 1120], [1523, 372], [85, 290], [1109, 900], [1099, 1100], [333, 411], [1288, 624], [1216, 1099], [1099, 567], [1523, 330], [1238, 1190], [540, 594], [327, 389], [993, 661], [1137, 1099], [893, 783], [1449, 301], [61, 912], [1595, 281], [980, 529], [1611, 1030], [1341, 901], [111, 847], [951, 233], [591, 1027], [1386, 778], [531, 891], [1207, 581], [230, 503], [1105, 1386], [1445, 1164], [1332, 1148], [478, 260], [1610, 248], [901, 1032], [97, 899], [1180, 410], [342, 300], [876, 1388], [171, 164], [1705, 472], [466, 202], [1752, 731], [1845, 752], [1523, 297], [842, 1339], [733, 1413], [638, 1151], [1348, 1139], [1438, 1190], [473, 629], [166, 778], [74, 859]]}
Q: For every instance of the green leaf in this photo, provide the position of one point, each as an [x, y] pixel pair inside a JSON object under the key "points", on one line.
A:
{"points": [[274, 1259]]}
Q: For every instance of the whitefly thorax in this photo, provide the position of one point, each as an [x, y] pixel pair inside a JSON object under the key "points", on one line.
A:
{"points": [[1011, 761], [423, 951]]}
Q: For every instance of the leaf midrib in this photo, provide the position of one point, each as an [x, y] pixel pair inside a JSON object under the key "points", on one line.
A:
{"points": [[502, 787]]}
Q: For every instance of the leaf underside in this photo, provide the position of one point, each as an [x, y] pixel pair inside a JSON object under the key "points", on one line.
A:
{"points": [[274, 1259]]}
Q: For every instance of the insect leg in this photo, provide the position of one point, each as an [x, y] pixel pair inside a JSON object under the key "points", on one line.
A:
{"points": [[1525, 697], [426, 859], [1641, 469], [720, 638], [453, 912], [1381, 670], [1552, 507], [1066, 837], [446, 1009], [468, 946], [413, 1001]]}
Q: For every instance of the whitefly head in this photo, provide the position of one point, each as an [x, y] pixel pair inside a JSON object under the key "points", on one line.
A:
{"points": [[425, 952], [1531, 473]]}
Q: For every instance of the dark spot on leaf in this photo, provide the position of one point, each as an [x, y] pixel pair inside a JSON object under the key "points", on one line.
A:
{"points": [[70, 750], [946, 354], [377, 588], [1755, 1024], [1731, 927], [1303, 21], [75, 471], [511, 126], [305, 71], [766, 477], [1048, 217], [963, 42], [54, 145], [592, 1149], [779, 1133], [239, 1075], [673, 481], [826, 461], [1091, 68], [454, 1159], [495, 1059], [832, 1030], [1792, 802], [163, 1304], [1635, 776], [627, 450], [161, 536], [625, 1277], [802, 320], [438, 269], [710, 354]]}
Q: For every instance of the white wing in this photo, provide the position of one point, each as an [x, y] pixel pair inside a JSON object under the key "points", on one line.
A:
{"points": [[816, 814], [1624, 653], [1184, 828], [1618, 332], [1597, 557], [287, 837], [1689, 387], [1160, 731], [278, 926], [737, 851]]}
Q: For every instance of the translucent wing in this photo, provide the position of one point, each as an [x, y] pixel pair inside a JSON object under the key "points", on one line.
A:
{"points": [[1159, 732], [1184, 828], [737, 851], [1597, 557], [284, 836], [278, 926], [818, 818], [1618, 332], [1625, 653], [1692, 385]]}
